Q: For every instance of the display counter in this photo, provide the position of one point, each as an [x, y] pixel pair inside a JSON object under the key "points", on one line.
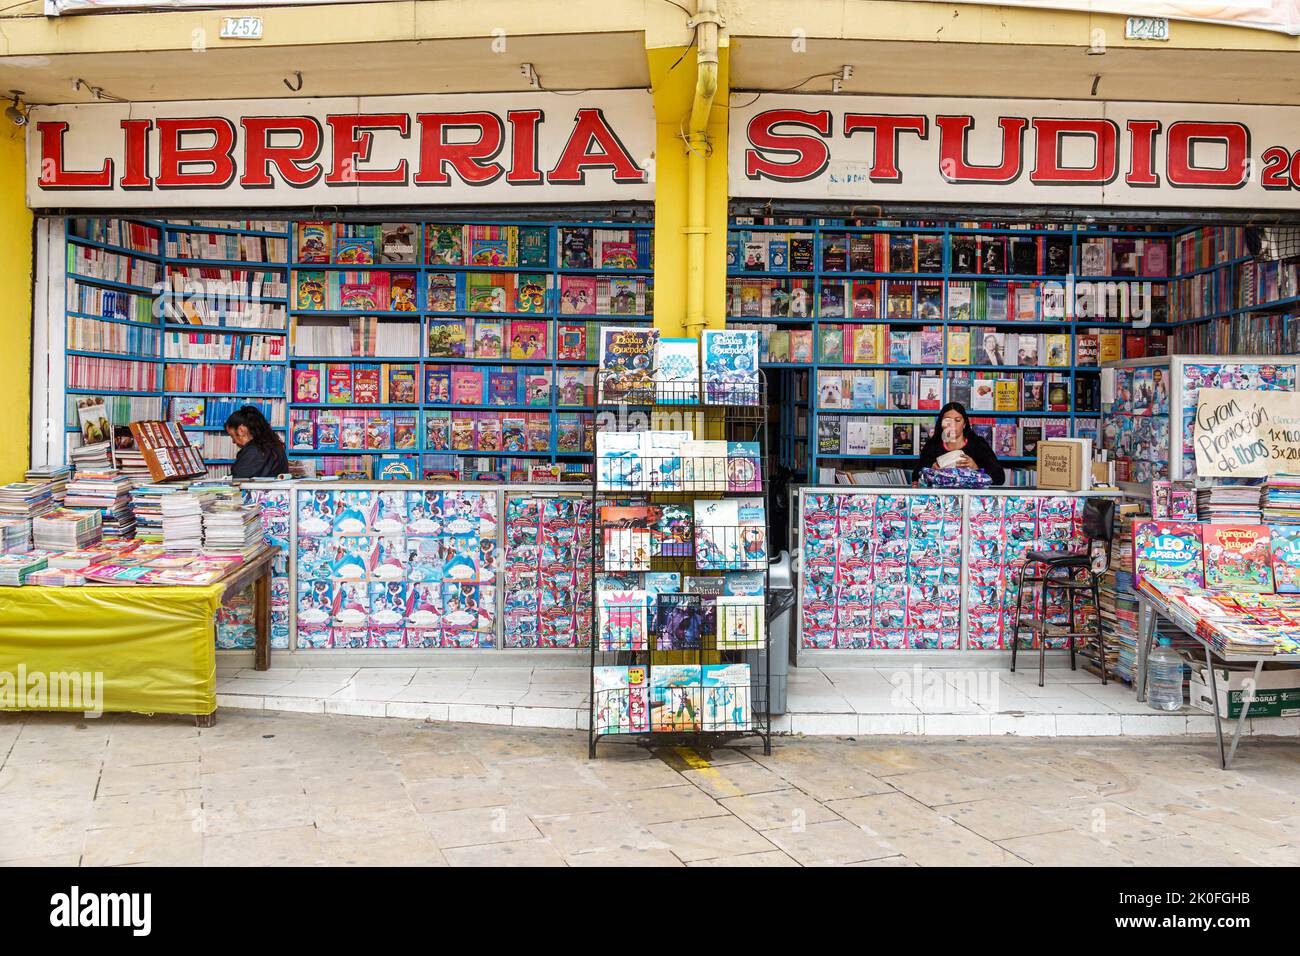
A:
{"points": [[402, 567], [885, 569]]}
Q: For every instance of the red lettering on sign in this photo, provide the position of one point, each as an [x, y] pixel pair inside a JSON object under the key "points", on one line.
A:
{"points": [[954, 152], [810, 154], [886, 129], [472, 161], [216, 157], [55, 176], [353, 142], [1050, 135], [136, 173], [296, 165], [1180, 163], [594, 145], [1142, 153]]}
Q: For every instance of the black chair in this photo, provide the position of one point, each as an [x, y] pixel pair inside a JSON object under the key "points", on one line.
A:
{"points": [[1073, 575]]}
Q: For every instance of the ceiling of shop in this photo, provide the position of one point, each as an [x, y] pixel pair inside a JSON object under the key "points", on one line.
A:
{"points": [[605, 61], [959, 69]]}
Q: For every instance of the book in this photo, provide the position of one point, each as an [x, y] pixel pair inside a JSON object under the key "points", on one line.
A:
{"points": [[1168, 551], [730, 534], [1285, 545], [626, 369], [729, 366], [528, 339], [677, 371], [1238, 557]]}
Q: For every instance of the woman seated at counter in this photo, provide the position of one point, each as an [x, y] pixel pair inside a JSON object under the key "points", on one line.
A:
{"points": [[954, 444]]}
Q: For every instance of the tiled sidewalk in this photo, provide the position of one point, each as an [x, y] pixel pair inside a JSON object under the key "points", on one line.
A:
{"points": [[837, 701], [272, 789]]}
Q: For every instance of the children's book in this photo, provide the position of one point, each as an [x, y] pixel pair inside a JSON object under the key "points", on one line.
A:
{"points": [[354, 250], [744, 466], [571, 343], [676, 698], [730, 534], [730, 366], [1238, 557], [741, 621], [314, 240], [679, 622], [677, 371], [306, 386], [1285, 544], [618, 461], [444, 245], [626, 371], [446, 338], [528, 339], [621, 618], [726, 698], [397, 242], [1168, 551], [622, 702], [489, 338]]}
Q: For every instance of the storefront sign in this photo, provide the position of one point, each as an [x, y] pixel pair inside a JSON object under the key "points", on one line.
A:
{"points": [[476, 148], [55, 8], [1246, 434], [1011, 152]]}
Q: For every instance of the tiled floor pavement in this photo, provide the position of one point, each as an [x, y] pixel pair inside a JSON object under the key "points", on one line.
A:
{"points": [[274, 788], [834, 700]]}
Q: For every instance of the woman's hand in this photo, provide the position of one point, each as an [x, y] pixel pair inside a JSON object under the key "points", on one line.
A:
{"points": [[965, 461]]}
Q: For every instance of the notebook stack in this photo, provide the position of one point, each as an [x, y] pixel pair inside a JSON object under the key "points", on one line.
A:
{"points": [[97, 457], [236, 530], [68, 529], [14, 568], [182, 521], [24, 499], [110, 492], [1229, 504], [1282, 500], [56, 476], [55, 578]]}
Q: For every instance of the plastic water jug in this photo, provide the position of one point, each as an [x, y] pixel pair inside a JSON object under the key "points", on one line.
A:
{"points": [[1164, 678]]}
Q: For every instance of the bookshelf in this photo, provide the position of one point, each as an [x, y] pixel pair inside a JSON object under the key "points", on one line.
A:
{"points": [[188, 320], [490, 325], [877, 310]]}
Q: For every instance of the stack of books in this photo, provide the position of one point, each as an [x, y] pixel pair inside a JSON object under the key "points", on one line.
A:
{"points": [[96, 457], [235, 530], [1229, 504], [1282, 500], [22, 499], [108, 491], [14, 568], [146, 502], [55, 578], [56, 476], [68, 529], [131, 462], [1119, 620], [182, 521], [15, 534]]}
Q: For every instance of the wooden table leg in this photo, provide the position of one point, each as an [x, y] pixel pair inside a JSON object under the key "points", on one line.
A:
{"points": [[262, 622]]}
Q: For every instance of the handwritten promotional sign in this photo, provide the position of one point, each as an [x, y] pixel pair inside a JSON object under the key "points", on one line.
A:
{"points": [[1247, 434]]}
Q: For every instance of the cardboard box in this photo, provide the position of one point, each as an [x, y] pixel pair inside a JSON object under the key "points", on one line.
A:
{"points": [[1065, 464], [1276, 695]]}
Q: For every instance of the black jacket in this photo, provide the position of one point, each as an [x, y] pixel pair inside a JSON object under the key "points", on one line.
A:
{"points": [[977, 448], [252, 462]]}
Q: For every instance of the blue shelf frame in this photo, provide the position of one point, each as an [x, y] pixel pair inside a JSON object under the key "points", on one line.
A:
{"points": [[551, 365], [815, 228]]}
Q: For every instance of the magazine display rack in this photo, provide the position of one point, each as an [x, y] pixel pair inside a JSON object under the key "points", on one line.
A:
{"points": [[680, 509]]}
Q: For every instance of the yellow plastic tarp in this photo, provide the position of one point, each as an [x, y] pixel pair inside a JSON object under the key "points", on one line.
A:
{"points": [[150, 648]]}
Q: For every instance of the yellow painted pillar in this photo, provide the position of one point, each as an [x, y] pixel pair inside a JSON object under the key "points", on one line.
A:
{"points": [[15, 307], [672, 78]]}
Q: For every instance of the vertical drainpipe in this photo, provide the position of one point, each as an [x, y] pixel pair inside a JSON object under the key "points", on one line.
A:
{"points": [[706, 23]]}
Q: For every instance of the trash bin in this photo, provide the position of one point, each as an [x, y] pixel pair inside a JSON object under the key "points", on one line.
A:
{"points": [[780, 606]]}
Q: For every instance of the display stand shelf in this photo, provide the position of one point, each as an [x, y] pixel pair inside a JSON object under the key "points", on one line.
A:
{"points": [[663, 670]]}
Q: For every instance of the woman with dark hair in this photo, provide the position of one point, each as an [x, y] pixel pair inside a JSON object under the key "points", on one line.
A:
{"points": [[261, 451], [952, 433]]}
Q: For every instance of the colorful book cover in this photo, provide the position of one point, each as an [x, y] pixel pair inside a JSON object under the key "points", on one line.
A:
{"points": [[466, 386], [503, 387], [528, 339], [401, 292], [397, 242], [578, 295], [530, 293], [676, 698], [1168, 551], [437, 385], [446, 338], [729, 366], [354, 251], [314, 242], [626, 371], [744, 466], [442, 292], [310, 290], [444, 245], [571, 343], [487, 292], [402, 386], [1238, 557], [1285, 545], [338, 385], [306, 388], [489, 338], [366, 384]]}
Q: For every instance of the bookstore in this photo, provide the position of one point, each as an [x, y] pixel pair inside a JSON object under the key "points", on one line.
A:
{"points": [[1064, 271], [444, 306]]}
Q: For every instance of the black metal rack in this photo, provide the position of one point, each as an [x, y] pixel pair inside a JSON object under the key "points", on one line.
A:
{"points": [[662, 670]]}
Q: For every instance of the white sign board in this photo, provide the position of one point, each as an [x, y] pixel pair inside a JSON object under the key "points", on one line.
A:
{"points": [[445, 149], [1011, 152], [1246, 434]]}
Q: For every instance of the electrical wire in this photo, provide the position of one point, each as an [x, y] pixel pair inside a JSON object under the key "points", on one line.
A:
{"points": [[789, 89]]}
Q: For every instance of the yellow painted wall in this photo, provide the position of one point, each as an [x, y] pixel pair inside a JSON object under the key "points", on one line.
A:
{"points": [[15, 307], [673, 83]]}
